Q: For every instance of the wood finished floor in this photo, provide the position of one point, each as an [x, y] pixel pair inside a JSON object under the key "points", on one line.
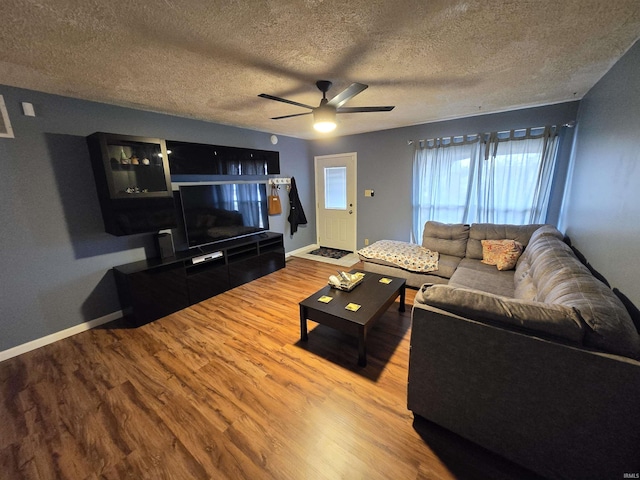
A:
{"points": [[225, 390]]}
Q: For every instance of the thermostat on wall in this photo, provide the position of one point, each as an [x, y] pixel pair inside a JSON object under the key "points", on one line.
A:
{"points": [[27, 109]]}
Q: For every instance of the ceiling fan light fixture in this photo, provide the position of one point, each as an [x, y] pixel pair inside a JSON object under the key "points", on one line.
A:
{"points": [[324, 119], [325, 127], [324, 116]]}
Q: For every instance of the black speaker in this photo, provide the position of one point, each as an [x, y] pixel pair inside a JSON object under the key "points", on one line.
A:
{"points": [[165, 245]]}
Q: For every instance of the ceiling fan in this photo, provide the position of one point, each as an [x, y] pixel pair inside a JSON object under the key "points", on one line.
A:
{"points": [[324, 115]]}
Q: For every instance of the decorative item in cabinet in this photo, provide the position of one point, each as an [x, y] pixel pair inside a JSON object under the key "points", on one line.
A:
{"points": [[133, 165], [133, 183]]}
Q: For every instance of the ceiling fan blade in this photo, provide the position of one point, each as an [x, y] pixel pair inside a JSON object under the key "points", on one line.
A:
{"points": [[289, 116], [347, 94], [278, 99], [364, 109]]}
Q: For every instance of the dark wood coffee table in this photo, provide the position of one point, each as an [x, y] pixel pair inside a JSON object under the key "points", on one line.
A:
{"points": [[373, 296]]}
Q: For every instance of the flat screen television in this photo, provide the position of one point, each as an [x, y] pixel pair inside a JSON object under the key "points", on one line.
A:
{"points": [[213, 213]]}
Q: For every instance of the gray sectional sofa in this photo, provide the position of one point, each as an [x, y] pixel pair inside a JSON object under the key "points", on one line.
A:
{"points": [[539, 364]]}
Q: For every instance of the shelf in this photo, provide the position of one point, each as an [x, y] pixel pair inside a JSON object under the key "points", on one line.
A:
{"points": [[238, 253], [133, 198], [205, 266], [203, 159], [271, 247], [118, 167]]}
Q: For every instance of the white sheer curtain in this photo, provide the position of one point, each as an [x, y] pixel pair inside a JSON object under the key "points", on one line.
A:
{"points": [[501, 177], [441, 180]]}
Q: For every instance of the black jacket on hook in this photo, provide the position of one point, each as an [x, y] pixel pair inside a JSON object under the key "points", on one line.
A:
{"points": [[296, 213]]}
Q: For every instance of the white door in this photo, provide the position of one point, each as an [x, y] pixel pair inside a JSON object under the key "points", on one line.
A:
{"points": [[336, 201]]}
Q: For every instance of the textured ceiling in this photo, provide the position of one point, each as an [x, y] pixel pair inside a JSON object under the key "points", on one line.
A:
{"points": [[209, 59]]}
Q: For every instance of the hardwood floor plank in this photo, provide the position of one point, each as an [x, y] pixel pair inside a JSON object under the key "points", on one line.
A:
{"points": [[13, 375], [270, 452], [225, 389], [139, 424]]}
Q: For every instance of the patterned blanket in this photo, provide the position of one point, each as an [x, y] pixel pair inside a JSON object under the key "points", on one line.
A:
{"points": [[409, 256]]}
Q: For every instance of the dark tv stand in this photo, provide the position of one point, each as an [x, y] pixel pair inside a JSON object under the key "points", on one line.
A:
{"points": [[153, 288]]}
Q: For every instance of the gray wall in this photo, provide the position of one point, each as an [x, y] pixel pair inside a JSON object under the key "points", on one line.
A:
{"points": [[602, 213], [55, 257], [385, 164]]}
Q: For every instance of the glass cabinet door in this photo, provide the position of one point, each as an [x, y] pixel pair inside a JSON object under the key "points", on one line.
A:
{"points": [[136, 167]]}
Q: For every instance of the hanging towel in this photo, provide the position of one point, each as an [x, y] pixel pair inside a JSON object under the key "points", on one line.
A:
{"points": [[296, 213]]}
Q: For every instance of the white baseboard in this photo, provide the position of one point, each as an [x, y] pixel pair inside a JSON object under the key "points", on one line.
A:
{"points": [[83, 327], [54, 337], [306, 249]]}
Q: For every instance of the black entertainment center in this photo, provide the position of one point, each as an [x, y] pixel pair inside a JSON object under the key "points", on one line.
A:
{"points": [[153, 288], [225, 223]]}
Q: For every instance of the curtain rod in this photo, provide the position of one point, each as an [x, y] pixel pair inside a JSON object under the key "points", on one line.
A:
{"points": [[569, 124]]}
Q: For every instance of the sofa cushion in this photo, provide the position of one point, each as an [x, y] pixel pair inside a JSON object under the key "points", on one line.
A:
{"points": [[534, 248], [414, 280], [555, 320], [546, 231], [536, 241], [479, 276], [491, 231], [524, 288], [405, 255], [447, 264], [504, 254], [444, 238], [584, 261], [561, 279]]}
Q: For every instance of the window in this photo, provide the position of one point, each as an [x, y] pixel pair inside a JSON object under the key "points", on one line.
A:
{"points": [[335, 188], [497, 178]]}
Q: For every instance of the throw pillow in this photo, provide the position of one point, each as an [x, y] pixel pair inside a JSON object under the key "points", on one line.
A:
{"points": [[503, 254]]}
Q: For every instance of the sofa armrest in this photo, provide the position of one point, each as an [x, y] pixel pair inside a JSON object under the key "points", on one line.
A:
{"points": [[559, 410], [557, 321]]}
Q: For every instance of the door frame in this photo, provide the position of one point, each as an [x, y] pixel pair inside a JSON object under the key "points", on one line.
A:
{"points": [[354, 156]]}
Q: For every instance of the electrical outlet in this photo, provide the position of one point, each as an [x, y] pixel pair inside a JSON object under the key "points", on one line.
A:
{"points": [[366, 241]]}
